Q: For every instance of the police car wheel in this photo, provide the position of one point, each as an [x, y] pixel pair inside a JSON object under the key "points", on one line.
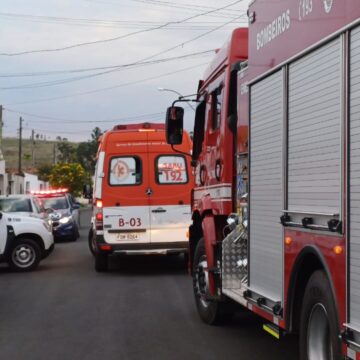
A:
{"points": [[25, 255]]}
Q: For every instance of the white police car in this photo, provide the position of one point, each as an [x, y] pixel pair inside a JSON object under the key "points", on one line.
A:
{"points": [[24, 241]]}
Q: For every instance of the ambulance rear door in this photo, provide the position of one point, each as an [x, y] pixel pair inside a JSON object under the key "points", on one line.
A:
{"points": [[170, 212], [126, 187]]}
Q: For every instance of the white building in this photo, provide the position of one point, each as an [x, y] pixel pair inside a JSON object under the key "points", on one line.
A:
{"points": [[3, 177], [32, 183]]}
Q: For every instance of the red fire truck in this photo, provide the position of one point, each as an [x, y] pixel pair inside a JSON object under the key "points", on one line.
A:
{"points": [[276, 207]]}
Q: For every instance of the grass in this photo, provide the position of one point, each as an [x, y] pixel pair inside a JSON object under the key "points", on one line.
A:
{"points": [[43, 152]]}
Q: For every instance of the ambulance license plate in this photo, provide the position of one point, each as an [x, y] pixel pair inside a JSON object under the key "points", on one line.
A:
{"points": [[127, 237]]}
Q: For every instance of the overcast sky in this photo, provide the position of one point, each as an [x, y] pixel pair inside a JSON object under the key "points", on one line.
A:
{"points": [[69, 102]]}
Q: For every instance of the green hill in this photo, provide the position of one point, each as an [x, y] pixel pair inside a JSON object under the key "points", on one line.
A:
{"points": [[43, 152]]}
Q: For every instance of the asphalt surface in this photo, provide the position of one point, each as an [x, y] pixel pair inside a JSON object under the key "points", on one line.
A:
{"points": [[142, 309]]}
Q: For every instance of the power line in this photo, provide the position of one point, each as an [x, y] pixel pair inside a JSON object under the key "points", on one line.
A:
{"points": [[71, 121], [187, 8], [192, 39], [107, 88], [63, 81], [224, 13], [127, 66], [121, 36], [98, 22], [182, 5]]}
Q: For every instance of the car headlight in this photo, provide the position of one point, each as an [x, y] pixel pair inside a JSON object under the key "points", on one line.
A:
{"points": [[65, 220]]}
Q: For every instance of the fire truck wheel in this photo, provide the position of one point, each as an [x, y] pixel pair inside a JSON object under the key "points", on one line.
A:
{"points": [[319, 329], [101, 262], [211, 312], [25, 255], [91, 241]]}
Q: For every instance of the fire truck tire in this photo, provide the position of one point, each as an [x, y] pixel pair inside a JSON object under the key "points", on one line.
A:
{"points": [[24, 255], [91, 241], [101, 262], [319, 328], [212, 312]]}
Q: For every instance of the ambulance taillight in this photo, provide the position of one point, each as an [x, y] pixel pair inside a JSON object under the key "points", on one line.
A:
{"points": [[99, 223]]}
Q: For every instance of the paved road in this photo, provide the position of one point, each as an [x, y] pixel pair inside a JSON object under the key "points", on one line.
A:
{"points": [[142, 309]]}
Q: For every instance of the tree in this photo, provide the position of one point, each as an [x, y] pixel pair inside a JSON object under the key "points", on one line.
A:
{"points": [[68, 175], [96, 133], [86, 151], [44, 172], [85, 156], [67, 152]]}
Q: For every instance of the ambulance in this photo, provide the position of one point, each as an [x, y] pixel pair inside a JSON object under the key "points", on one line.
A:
{"points": [[142, 190]]}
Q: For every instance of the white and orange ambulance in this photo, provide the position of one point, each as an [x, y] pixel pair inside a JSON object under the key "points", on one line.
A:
{"points": [[142, 190]]}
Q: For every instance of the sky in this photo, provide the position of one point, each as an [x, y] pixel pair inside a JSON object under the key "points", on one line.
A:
{"points": [[68, 66]]}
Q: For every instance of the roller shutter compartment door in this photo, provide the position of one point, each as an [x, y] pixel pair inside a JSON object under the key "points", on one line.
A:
{"points": [[314, 133], [266, 130], [354, 267]]}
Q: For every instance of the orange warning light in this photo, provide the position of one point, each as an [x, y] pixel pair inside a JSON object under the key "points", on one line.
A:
{"points": [[288, 240], [338, 250]]}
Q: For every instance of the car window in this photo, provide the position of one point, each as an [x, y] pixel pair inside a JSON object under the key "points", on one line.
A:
{"points": [[15, 205], [71, 199], [38, 205], [125, 171], [56, 203], [171, 169]]}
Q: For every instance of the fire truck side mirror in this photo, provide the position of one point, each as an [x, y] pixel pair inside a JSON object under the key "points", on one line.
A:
{"points": [[174, 125]]}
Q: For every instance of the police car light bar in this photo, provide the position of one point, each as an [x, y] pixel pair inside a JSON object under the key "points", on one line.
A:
{"points": [[49, 192]]}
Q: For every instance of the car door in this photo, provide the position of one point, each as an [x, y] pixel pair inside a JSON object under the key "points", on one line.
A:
{"points": [[126, 199], [3, 232], [170, 213], [74, 209]]}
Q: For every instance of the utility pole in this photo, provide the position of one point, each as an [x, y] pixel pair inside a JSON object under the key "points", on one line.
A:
{"points": [[1, 128], [33, 147], [54, 155], [20, 144]]}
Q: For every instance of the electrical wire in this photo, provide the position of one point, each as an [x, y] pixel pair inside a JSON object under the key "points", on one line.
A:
{"points": [[225, 13], [186, 8], [100, 22], [107, 88], [71, 121], [122, 36], [123, 66], [63, 81]]}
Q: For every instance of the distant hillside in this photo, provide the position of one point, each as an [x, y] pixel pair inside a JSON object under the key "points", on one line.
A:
{"points": [[43, 152]]}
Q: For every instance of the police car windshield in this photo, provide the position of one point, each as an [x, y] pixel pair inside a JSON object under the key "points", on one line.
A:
{"points": [[56, 203], [15, 205]]}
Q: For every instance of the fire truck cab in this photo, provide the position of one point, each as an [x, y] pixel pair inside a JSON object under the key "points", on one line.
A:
{"points": [[141, 193]]}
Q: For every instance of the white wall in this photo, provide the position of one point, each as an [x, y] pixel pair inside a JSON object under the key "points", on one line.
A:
{"points": [[32, 183]]}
